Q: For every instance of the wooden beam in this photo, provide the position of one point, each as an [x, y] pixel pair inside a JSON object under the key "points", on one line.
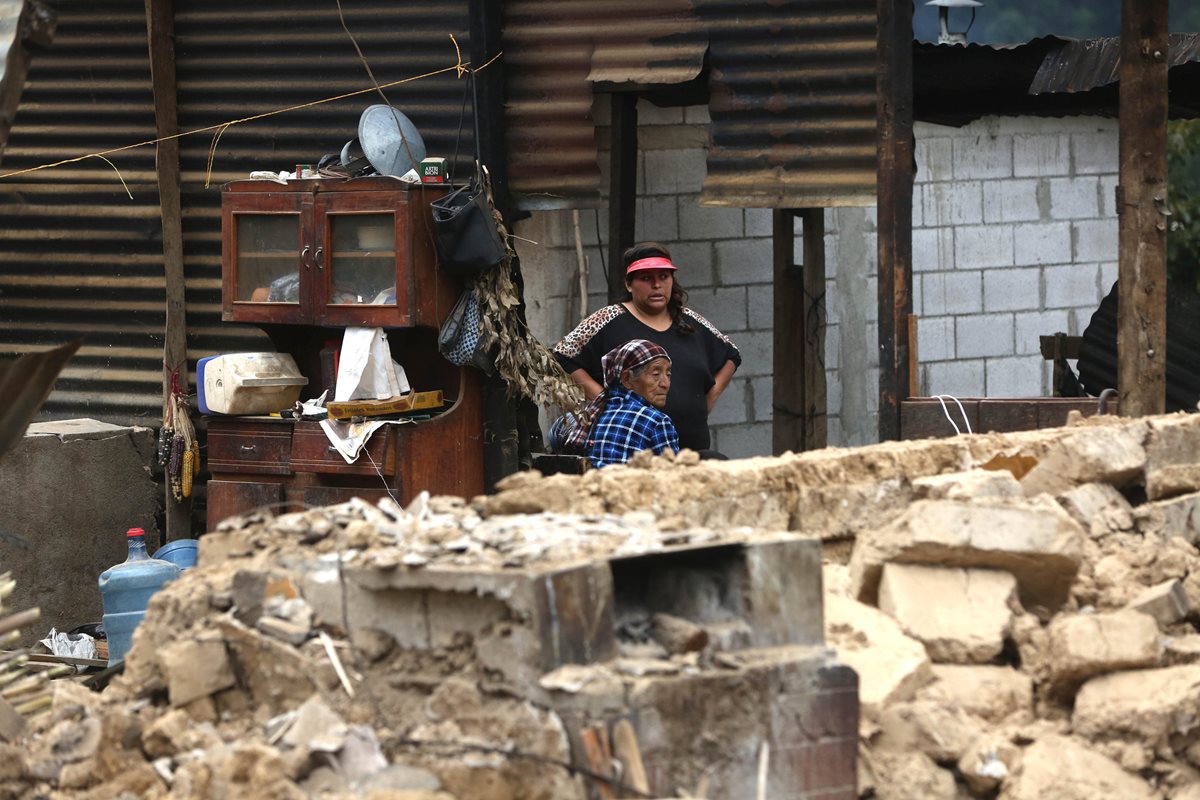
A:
{"points": [[485, 20], [787, 383], [34, 32], [894, 183], [622, 187], [160, 32], [812, 321], [1141, 202]]}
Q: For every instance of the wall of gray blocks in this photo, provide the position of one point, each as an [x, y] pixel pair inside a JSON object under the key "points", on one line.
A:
{"points": [[1014, 236]]}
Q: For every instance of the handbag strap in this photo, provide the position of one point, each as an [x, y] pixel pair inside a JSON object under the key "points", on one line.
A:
{"points": [[471, 89]]}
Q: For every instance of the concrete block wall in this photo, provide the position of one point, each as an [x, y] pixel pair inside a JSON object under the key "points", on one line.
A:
{"points": [[1014, 236]]}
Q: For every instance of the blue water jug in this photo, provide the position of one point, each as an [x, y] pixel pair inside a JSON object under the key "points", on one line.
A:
{"points": [[126, 589]]}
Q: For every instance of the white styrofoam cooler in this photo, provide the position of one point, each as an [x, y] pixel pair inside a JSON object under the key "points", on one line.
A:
{"points": [[248, 383]]}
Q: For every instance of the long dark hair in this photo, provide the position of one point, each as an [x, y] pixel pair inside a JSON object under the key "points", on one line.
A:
{"points": [[679, 295]]}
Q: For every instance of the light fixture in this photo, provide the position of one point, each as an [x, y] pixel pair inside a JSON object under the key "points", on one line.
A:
{"points": [[943, 7]]}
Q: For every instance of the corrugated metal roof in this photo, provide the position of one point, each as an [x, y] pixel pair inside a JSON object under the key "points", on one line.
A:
{"points": [[1077, 66], [792, 93], [793, 103], [78, 257]]}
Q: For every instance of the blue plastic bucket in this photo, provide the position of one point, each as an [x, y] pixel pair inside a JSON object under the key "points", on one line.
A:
{"points": [[181, 553]]}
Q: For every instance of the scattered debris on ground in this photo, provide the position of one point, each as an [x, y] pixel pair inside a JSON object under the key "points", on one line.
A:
{"points": [[1019, 609]]}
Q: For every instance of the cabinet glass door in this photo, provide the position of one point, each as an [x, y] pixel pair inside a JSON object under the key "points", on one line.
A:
{"points": [[362, 259], [268, 260]]}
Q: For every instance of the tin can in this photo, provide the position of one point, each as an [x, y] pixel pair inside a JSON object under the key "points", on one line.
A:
{"points": [[305, 171]]}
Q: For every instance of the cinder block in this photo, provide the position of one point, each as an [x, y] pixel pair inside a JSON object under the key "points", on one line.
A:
{"points": [[983, 156], [984, 335], [1029, 326], [1013, 377], [650, 114], [695, 261], [758, 222], [657, 219], [833, 302], [959, 378], [745, 261], [1108, 276], [673, 172], [1012, 289], [1038, 155], [935, 339], [762, 389], [1046, 243], [833, 351], [1095, 153], [731, 406], [1096, 240], [755, 347], [957, 203], [1010, 200], [934, 156], [979, 246], [1071, 285], [933, 249], [744, 441], [951, 293], [696, 115], [697, 222], [761, 301], [724, 307], [1108, 195], [1074, 198]]}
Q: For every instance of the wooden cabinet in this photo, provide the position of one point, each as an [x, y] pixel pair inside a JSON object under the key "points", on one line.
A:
{"points": [[331, 253], [304, 261]]}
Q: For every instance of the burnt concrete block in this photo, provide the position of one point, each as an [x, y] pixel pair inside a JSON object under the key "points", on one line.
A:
{"points": [[72, 489]]}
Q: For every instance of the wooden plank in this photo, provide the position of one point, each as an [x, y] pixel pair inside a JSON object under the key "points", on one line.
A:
{"points": [[812, 321], [1053, 412], [923, 418], [787, 385], [1007, 415], [894, 185], [1141, 199], [622, 187], [1060, 343], [914, 349], [160, 33]]}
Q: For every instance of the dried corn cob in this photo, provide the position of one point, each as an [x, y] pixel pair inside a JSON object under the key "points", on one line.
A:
{"points": [[195, 458], [187, 472]]}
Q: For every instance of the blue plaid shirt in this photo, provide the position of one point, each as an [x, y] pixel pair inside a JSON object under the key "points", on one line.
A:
{"points": [[628, 425]]}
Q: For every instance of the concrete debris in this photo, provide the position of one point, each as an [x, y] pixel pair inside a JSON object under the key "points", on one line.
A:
{"points": [[1065, 769], [1080, 646], [1167, 602], [962, 616], [1012, 615], [891, 666], [1036, 541]]}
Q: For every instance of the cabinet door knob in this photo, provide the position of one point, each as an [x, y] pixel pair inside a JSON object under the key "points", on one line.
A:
{"points": [[304, 256], [249, 448], [320, 258]]}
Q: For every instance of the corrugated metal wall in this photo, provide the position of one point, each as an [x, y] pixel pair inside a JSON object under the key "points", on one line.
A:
{"points": [[791, 84], [792, 101], [78, 257]]}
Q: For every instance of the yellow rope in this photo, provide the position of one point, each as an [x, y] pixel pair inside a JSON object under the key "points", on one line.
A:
{"points": [[459, 68]]}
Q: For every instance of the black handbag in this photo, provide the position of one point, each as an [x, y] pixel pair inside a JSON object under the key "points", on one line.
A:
{"points": [[468, 241], [460, 340]]}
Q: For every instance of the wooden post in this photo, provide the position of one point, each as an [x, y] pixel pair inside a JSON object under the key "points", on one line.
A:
{"points": [[798, 403], [1141, 202], [160, 32], [787, 349], [894, 183], [622, 187]]}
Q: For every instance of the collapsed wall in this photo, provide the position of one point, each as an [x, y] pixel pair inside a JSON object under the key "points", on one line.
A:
{"points": [[1018, 609]]}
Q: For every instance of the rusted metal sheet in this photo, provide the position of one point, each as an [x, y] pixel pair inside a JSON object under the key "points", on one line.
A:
{"points": [[793, 91], [1079, 66], [79, 258]]}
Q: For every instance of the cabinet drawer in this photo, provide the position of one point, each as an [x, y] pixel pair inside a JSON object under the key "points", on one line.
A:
{"points": [[262, 448], [313, 452]]}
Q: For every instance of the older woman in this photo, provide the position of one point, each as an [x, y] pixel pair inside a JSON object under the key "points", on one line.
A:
{"points": [[626, 417], [702, 358]]}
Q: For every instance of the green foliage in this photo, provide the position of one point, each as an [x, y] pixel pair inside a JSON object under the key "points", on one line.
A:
{"points": [[1183, 176]]}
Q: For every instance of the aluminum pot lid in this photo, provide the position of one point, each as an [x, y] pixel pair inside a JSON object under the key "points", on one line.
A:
{"points": [[383, 140]]}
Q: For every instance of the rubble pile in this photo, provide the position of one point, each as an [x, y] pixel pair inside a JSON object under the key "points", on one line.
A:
{"points": [[1019, 609], [1030, 632], [278, 669]]}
